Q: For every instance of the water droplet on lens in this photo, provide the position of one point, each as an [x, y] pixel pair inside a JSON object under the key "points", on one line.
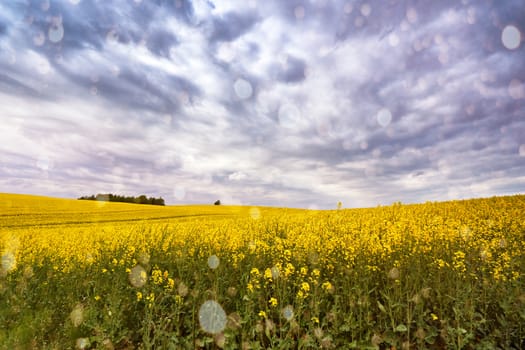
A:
{"points": [[179, 193], [516, 89], [39, 39], [411, 15], [112, 36], [213, 262], [44, 163], [255, 213], [212, 317], [384, 117], [138, 276], [393, 39], [521, 150], [289, 116], [77, 315], [299, 12], [243, 88], [287, 312], [45, 5], [511, 37], [82, 343], [55, 33], [8, 261], [366, 9]]}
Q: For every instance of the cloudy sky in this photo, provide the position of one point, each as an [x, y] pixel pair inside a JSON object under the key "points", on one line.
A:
{"points": [[299, 103]]}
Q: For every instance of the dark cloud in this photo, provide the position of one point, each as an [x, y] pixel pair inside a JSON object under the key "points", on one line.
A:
{"points": [[291, 71], [160, 42], [293, 103], [231, 25], [12, 86]]}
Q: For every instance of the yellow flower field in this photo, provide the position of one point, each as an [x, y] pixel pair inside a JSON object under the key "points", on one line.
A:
{"points": [[97, 275]]}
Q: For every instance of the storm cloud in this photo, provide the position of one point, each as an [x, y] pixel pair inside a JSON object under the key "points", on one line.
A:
{"points": [[301, 104]]}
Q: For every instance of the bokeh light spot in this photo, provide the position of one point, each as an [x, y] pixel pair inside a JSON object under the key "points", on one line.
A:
{"points": [[511, 37], [366, 9], [179, 193], [112, 36], [39, 39], [411, 15], [77, 315], [212, 317], [287, 312], [516, 89], [289, 116], [521, 150], [213, 262], [443, 57], [55, 33], [384, 117], [243, 89], [138, 276], [44, 163], [275, 272], [255, 213], [393, 39], [299, 12], [359, 21], [471, 15], [45, 5], [82, 343], [8, 261]]}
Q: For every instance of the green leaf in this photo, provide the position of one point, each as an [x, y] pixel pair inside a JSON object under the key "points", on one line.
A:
{"points": [[401, 328], [381, 307]]}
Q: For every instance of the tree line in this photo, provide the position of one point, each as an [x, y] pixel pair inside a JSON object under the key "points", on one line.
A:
{"points": [[109, 197]]}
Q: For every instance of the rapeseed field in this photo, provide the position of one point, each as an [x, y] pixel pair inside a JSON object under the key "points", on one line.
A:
{"points": [[97, 275]]}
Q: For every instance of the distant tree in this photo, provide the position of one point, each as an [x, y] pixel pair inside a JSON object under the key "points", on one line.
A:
{"points": [[110, 197], [339, 205], [142, 199], [217, 202]]}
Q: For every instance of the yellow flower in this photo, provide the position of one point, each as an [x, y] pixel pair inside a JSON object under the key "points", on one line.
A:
{"points": [[262, 314], [434, 316], [139, 296], [305, 286], [156, 276], [268, 274], [170, 284], [97, 297], [304, 271], [273, 302], [314, 319], [289, 270], [327, 286]]}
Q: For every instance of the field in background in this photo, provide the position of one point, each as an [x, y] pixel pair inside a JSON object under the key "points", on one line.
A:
{"points": [[82, 274]]}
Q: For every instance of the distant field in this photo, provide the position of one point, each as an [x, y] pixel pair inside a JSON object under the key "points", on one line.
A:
{"points": [[86, 274]]}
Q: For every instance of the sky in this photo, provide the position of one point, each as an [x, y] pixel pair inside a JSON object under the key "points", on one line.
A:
{"points": [[279, 103]]}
